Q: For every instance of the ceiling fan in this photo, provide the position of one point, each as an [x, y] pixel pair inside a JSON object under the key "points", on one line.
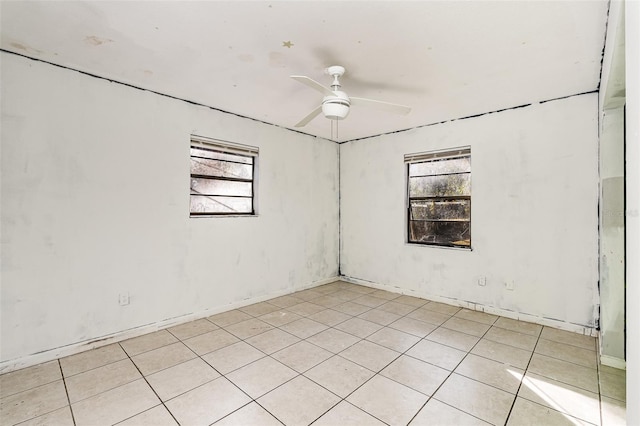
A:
{"points": [[336, 104]]}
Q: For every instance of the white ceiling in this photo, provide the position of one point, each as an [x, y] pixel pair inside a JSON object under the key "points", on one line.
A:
{"points": [[446, 59]]}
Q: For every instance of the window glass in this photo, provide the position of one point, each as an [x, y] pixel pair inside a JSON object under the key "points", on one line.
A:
{"points": [[439, 198], [222, 180]]}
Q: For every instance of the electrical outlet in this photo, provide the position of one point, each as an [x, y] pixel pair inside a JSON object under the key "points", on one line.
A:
{"points": [[510, 285], [482, 281], [123, 299]]}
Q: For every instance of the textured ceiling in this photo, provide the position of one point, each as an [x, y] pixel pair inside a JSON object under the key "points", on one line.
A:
{"points": [[446, 59]]}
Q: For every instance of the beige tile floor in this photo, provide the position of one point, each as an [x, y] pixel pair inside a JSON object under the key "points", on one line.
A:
{"points": [[339, 354]]}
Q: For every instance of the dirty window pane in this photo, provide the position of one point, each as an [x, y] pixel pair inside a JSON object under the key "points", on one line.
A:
{"points": [[440, 167], [220, 187], [441, 233], [202, 204], [440, 186], [216, 155], [441, 210], [222, 182], [205, 167]]}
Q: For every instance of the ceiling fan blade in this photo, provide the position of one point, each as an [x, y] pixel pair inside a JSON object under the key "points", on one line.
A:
{"points": [[313, 114], [313, 84], [385, 106]]}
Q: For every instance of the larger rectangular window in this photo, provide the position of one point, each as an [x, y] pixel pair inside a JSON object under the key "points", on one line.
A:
{"points": [[439, 198], [222, 178]]}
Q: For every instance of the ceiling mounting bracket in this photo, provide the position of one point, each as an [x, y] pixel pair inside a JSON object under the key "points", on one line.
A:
{"points": [[336, 72]]}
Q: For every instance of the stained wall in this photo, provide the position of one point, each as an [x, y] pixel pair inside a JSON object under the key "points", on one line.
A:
{"points": [[534, 214], [95, 204]]}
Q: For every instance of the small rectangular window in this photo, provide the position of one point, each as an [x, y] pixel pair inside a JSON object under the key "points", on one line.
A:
{"points": [[222, 178], [439, 198]]}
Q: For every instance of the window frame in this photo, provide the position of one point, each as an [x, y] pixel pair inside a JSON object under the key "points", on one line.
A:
{"points": [[228, 148], [423, 157]]}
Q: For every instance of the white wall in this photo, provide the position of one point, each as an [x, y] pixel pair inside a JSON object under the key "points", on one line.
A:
{"points": [[632, 180], [534, 212], [95, 202]]}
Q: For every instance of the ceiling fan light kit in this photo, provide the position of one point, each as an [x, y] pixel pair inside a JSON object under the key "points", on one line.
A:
{"points": [[336, 104], [336, 107]]}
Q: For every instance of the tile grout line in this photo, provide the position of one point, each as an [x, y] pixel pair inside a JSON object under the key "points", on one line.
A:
{"points": [[360, 339], [310, 368], [243, 340], [336, 354], [347, 402], [92, 396], [451, 372], [298, 374], [64, 382], [533, 351], [333, 355], [352, 317], [94, 368], [564, 382], [404, 353], [388, 326], [252, 399], [261, 406], [150, 387], [409, 387], [216, 370], [266, 355], [599, 387], [322, 386], [566, 360], [31, 388]]}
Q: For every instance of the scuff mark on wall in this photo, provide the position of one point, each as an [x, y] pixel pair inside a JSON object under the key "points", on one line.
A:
{"points": [[97, 41], [75, 212], [25, 48], [245, 58], [535, 186]]}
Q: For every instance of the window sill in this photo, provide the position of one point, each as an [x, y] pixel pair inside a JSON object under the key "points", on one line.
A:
{"points": [[208, 216], [468, 249]]}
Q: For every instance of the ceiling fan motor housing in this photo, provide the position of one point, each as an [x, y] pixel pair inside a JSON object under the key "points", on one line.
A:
{"points": [[336, 107]]}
